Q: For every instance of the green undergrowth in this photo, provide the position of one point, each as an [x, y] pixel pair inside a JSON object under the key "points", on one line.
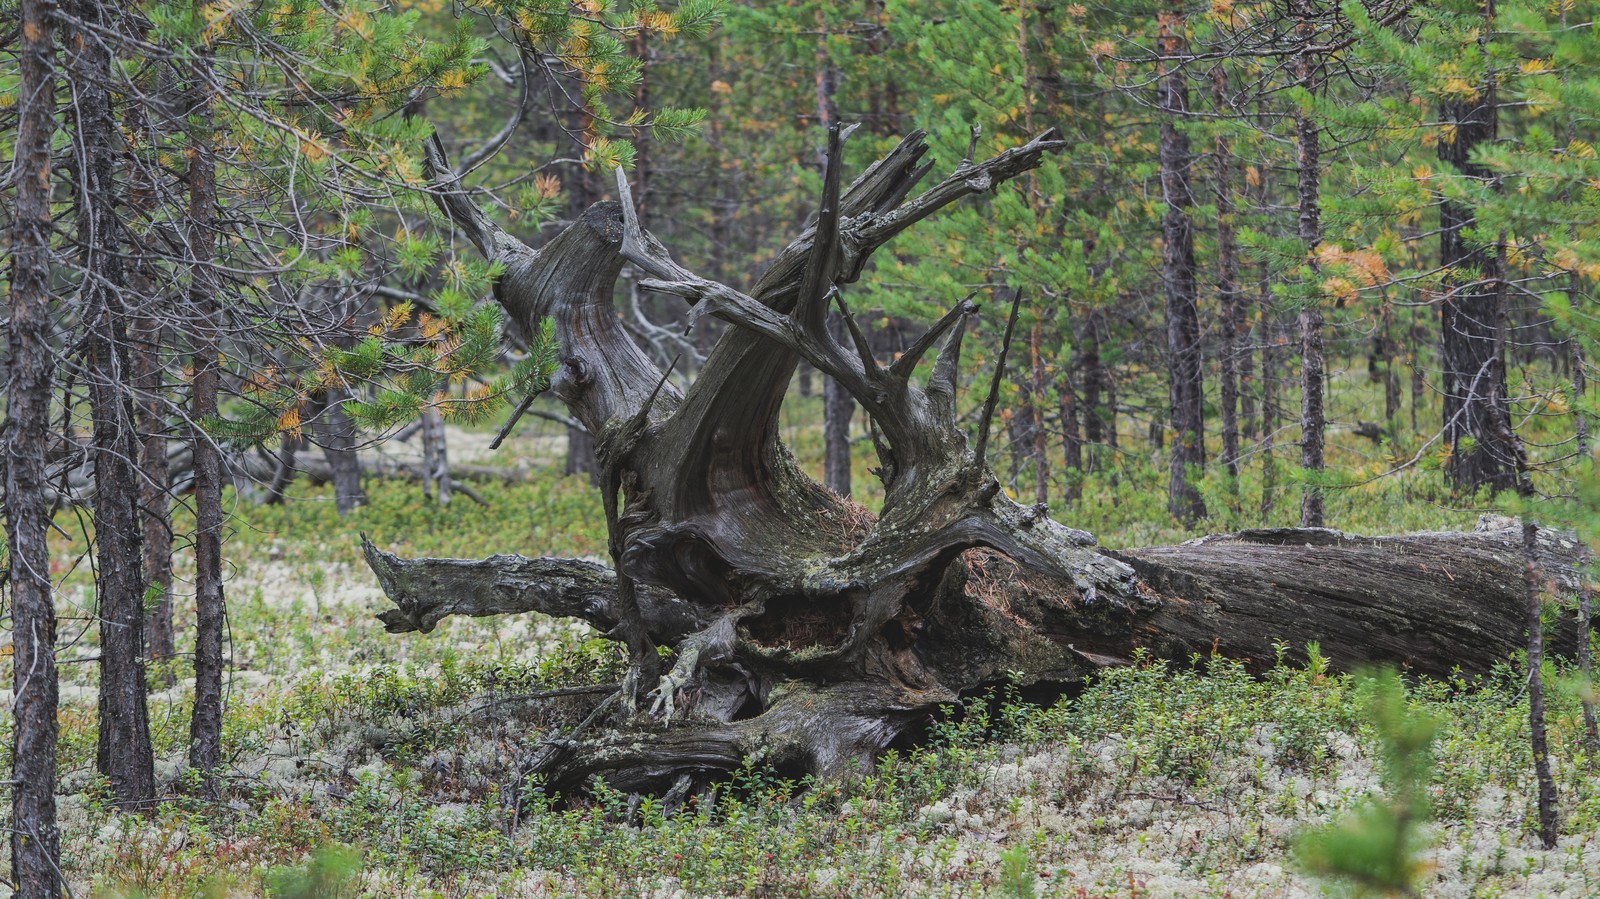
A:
{"points": [[1156, 780]]}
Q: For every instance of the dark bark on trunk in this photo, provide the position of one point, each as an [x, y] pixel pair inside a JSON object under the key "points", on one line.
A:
{"points": [[1231, 296], [1041, 461], [1313, 422], [580, 455], [1184, 362], [1365, 600], [124, 753], [205, 725], [1071, 437], [435, 458], [1269, 397], [837, 410], [148, 342], [35, 839], [1389, 349], [1473, 375], [1094, 387], [337, 434]]}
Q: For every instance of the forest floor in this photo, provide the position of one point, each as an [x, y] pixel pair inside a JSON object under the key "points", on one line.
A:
{"points": [[390, 765]]}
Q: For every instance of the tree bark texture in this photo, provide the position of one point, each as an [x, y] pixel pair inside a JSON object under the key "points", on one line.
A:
{"points": [[205, 312], [337, 434], [1308, 189], [1228, 290], [1184, 361], [124, 753], [148, 338], [34, 837], [1471, 315], [804, 631]]}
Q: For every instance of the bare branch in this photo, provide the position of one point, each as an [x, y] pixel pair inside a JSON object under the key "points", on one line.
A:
{"points": [[811, 309], [863, 349], [999, 375], [492, 146], [490, 240], [903, 366]]}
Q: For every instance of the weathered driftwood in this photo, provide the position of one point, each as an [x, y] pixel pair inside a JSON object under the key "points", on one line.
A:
{"points": [[810, 633]]}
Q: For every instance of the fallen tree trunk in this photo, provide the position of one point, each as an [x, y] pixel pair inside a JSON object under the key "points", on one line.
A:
{"points": [[1431, 603], [808, 633]]}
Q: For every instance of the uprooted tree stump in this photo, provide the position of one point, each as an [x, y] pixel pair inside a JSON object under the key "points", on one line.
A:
{"points": [[805, 632]]}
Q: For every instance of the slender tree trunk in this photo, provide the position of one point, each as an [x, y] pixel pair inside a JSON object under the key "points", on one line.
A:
{"points": [[580, 455], [435, 456], [1094, 380], [1269, 396], [1184, 364], [1580, 384], [1536, 711], [124, 753], [1041, 461], [337, 434], [1390, 350], [205, 726], [148, 342], [1071, 437], [283, 472], [838, 407], [35, 839], [1313, 422], [1228, 291]]}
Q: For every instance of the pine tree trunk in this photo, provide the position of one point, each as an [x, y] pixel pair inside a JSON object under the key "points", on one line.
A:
{"points": [[147, 334], [1041, 461], [1230, 295], [337, 435], [1473, 376], [1269, 397], [1071, 437], [124, 753], [205, 310], [837, 410], [580, 455], [1094, 382], [1313, 422], [35, 839], [435, 456], [1184, 363]]}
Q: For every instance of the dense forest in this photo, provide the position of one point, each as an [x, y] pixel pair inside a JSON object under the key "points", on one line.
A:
{"points": [[841, 369]]}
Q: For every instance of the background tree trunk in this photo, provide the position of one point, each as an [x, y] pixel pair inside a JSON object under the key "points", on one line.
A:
{"points": [[1184, 363], [1313, 421], [1473, 376], [35, 839], [205, 725], [148, 343], [124, 753], [435, 456]]}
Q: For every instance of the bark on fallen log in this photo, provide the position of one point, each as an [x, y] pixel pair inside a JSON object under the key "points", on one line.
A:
{"points": [[1430, 603]]}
